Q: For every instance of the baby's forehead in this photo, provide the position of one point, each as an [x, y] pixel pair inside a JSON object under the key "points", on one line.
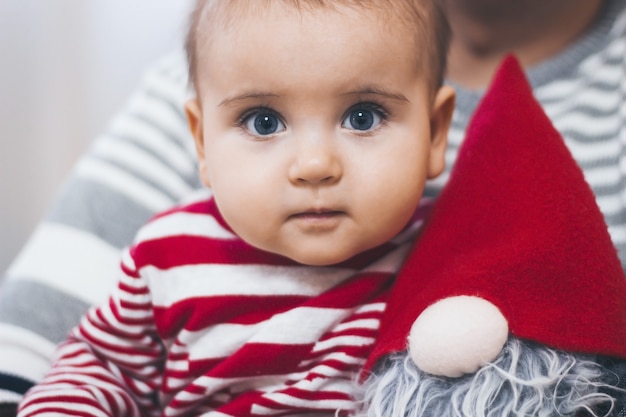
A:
{"points": [[226, 14], [229, 19]]}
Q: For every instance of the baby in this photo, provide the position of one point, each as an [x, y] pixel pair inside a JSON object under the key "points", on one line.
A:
{"points": [[317, 123]]}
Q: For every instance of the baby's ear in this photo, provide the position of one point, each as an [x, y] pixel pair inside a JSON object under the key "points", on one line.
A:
{"points": [[193, 111], [440, 119]]}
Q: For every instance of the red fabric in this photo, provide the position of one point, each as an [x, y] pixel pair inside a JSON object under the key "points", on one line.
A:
{"points": [[516, 225]]}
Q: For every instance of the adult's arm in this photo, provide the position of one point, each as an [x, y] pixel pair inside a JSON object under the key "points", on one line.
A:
{"points": [[143, 163], [111, 364]]}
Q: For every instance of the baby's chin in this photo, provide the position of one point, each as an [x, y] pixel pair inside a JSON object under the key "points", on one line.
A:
{"points": [[526, 379], [330, 254]]}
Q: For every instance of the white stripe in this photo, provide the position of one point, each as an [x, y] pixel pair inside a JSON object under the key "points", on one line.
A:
{"points": [[24, 353], [217, 341], [588, 125], [611, 204], [330, 372], [337, 385], [557, 90], [281, 398], [562, 89], [259, 410], [9, 396], [605, 176], [153, 138], [366, 308], [88, 275], [369, 324], [143, 162], [589, 152], [176, 383], [264, 411], [342, 341], [178, 224], [72, 407], [212, 384], [618, 234], [334, 356], [304, 325], [326, 385], [599, 100], [177, 365], [143, 194], [161, 112], [219, 280]]}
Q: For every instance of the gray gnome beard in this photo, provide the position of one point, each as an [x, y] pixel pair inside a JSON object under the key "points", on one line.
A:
{"points": [[526, 379]]}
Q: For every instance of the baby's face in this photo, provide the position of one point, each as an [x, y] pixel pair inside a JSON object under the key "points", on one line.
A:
{"points": [[316, 130]]}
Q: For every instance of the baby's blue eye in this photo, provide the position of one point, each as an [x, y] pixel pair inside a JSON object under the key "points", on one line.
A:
{"points": [[362, 118], [264, 123]]}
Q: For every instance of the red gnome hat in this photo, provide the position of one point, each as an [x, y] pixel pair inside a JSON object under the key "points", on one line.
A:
{"points": [[515, 244]]}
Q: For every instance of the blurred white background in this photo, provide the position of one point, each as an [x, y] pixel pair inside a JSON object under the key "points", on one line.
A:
{"points": [[66, 66]]}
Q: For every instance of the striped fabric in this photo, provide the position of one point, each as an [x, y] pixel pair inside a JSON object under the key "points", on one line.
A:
{"points": [[209, 325], [111, 194]]}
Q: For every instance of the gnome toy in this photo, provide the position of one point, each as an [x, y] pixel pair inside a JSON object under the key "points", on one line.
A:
{"points": [[513, 300]]}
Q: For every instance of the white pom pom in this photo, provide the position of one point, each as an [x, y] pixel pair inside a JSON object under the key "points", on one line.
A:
{"points": [[457, 335]]}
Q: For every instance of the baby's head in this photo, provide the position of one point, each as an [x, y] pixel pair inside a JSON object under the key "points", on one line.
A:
{"points": [[318, 122]]}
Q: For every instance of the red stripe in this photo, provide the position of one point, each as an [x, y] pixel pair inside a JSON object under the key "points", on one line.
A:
{"points": [[352, 351], [198, 313], [133, 290], [170, 252], [253, 359], [123, 318], [131, 273], [357, 332], [110, 329], [149, 352], [315, 395], [59, 410], [360, 289]]}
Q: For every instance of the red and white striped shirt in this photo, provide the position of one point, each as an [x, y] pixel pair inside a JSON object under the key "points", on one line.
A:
{"points": [[204, 324]]}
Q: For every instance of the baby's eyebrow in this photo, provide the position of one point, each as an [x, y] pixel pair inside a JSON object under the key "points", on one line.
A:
{"points": [[378, 91], [247, 95]]}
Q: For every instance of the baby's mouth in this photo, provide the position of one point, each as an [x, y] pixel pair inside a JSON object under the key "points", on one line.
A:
{"points": [[317, 214]]}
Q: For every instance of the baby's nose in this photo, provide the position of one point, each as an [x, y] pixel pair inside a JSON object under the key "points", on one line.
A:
{"points": [[316, 162]]}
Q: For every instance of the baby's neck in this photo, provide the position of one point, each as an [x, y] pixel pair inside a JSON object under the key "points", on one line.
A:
{"points": [[532, 30]]}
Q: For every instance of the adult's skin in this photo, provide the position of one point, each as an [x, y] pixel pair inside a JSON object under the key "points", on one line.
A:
{"points": [[534, 30]]}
